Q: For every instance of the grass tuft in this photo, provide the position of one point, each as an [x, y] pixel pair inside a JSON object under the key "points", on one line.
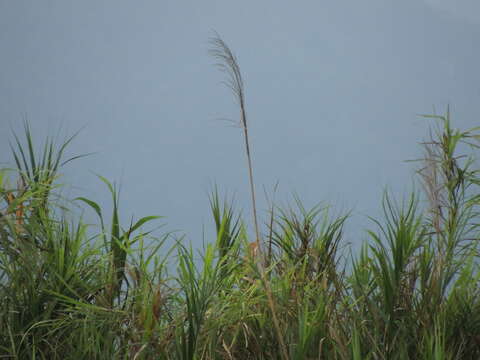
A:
{"points": [[411, 292]]}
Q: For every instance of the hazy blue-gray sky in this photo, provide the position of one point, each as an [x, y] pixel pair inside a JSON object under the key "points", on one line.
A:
{"points": [[332, 89]]}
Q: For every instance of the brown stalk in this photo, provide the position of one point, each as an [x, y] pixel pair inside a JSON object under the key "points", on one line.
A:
{"points": [[227, 62]]}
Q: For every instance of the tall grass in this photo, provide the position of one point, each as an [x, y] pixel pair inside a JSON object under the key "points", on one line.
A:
{"points": [[411, 292], [228, 63]]}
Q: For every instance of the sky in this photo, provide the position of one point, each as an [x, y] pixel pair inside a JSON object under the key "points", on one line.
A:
{"points": [[333, 91]]}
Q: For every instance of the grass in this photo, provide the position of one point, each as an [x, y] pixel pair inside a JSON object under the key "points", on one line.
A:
{"points": [[411, 292]]}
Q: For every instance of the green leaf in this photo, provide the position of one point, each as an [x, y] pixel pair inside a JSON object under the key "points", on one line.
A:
{"points": [[141, 222], [92, 204]]}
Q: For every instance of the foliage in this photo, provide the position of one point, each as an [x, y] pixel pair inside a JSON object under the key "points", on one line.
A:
{"points": [[411, 292]]}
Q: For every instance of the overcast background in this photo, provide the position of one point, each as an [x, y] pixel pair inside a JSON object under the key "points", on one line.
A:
{"points": [[333, 90]]}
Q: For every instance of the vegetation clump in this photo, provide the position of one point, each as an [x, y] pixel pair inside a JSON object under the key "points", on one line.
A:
{"points": [[411, 292]]}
